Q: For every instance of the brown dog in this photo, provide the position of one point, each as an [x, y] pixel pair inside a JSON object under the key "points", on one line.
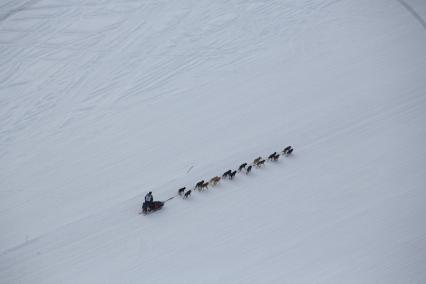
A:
{"points": [[214, 180], [204, 186], [199, 184]]}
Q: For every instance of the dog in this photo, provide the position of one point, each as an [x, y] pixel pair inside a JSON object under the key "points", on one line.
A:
{"points": [[255, 161], [181, 190], [226, 174], [214, 180], [232, 175], [204, 186], [199, 184], [290, 151], [286, 149], [187, 194], [276, 157], [242, 166], [248, 170], [260, 163], [270, 157]]}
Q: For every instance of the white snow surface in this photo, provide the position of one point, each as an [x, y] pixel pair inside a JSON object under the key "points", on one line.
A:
{"points": [[102, 101]]}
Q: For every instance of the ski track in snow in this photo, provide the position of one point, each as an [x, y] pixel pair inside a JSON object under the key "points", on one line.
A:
{"points": [[413, 12], [102, 101]]}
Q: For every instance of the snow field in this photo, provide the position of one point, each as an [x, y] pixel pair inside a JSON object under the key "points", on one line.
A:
{"points": [[101, 102]]}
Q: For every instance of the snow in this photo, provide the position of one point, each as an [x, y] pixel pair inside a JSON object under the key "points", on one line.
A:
{"points": [[103, 101]]}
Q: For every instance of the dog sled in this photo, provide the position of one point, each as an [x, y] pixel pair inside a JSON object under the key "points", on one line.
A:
{"points": [[155, 206]]}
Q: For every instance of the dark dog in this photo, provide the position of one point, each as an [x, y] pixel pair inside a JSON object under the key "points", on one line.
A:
{"points": [[242, 166], [276, 157], [290, 151], [226, 174], [271, 157], [187, 194], [248, 170], [286, 149], [255, 161], [199, 184], [232, 175], [181, 190], [260, 163]]}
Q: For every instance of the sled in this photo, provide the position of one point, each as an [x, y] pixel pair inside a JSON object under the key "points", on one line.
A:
{"points": [[155, 206]]}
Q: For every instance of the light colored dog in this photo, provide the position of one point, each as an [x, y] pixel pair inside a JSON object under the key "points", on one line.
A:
{"points": [[214, 180]]}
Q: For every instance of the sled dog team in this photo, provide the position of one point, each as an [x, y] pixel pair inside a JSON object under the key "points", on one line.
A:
{"points": [[230, 174]]}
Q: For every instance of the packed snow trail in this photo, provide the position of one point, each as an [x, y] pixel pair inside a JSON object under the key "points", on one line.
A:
{"points": [[103, 101]]}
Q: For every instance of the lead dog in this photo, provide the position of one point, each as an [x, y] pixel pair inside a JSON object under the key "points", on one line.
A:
{"points": [[287, 150]]}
